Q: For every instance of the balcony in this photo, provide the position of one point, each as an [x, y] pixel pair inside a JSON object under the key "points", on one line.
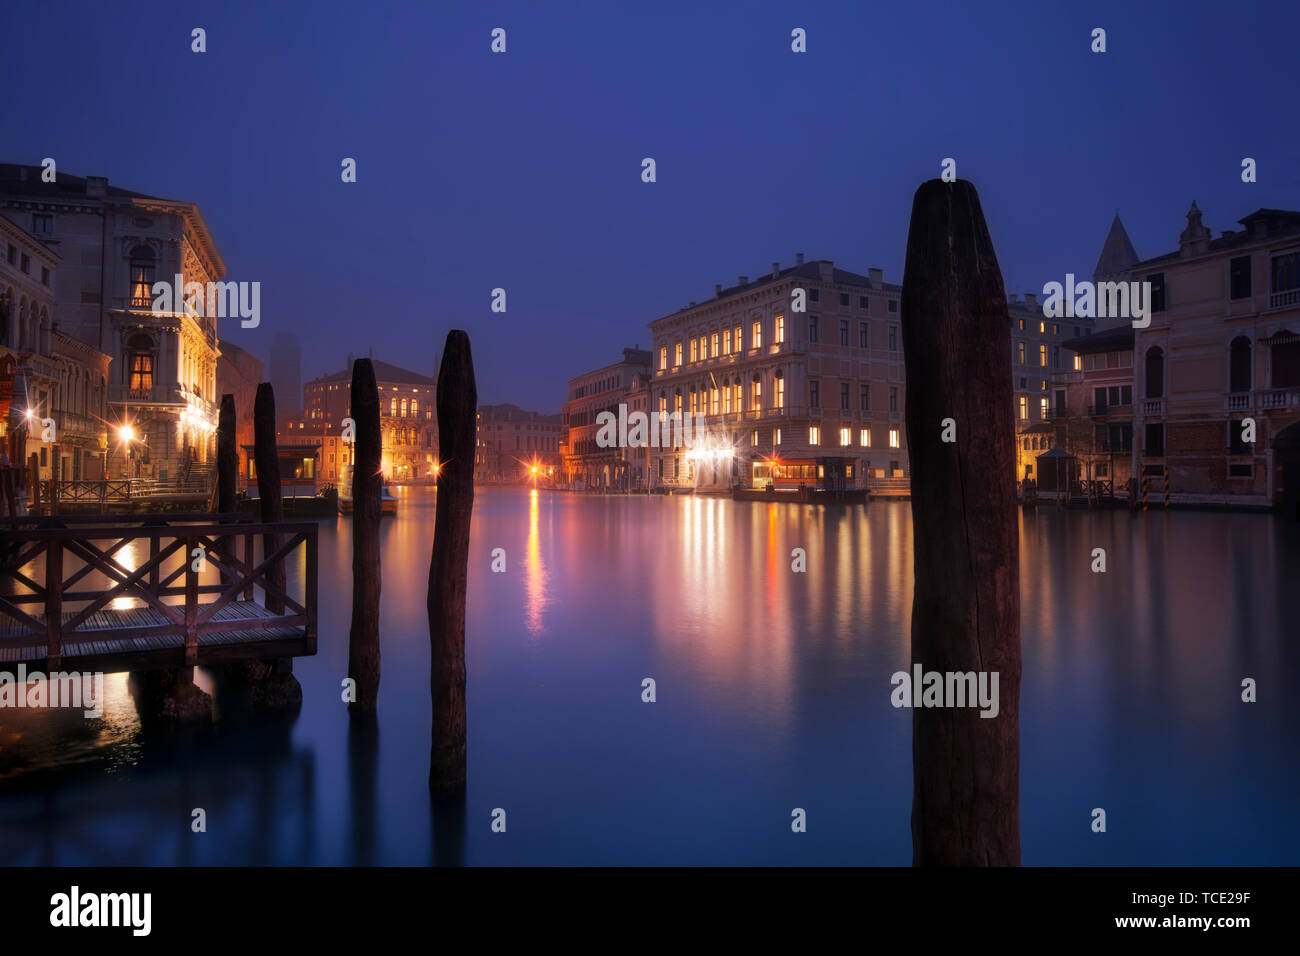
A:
{"points": [[1153, 407], [158, 395], [1278, 399], [1237, 401], [78, 428], [1106, 411], [1284, 299]]}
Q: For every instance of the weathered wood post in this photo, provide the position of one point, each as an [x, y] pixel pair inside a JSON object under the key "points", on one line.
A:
{"points": [[267, 462], [227, 467], [966, 605], [367, 487], [449, 569]]}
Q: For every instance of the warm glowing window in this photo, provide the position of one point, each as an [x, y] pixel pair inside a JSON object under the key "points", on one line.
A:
{"points": [[726, 400], [739, 340], [1042, 408], [1042, 355], [1022, 352], [663, 357], [726, 342], [757, 394], [415, 408], [142, 370], [814, 435], [893, 438], [757, 342], [778, 335], [142, 270], [678, 356], [1024, 408], [677, 402], [403, 408], [845, 437], [780, 391], [392, 408], [864, 438], [713, 401], [776, 437], [695, 350], [713, 345], [1078, 363], [663, 403]]}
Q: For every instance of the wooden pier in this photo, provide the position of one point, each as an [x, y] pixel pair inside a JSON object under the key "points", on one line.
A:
{"points": [[151, 591]]}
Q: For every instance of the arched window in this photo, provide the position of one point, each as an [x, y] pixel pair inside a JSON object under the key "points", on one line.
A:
{"points": [[1155, 372], [140, 355], [142, 273], [1239, 365]]}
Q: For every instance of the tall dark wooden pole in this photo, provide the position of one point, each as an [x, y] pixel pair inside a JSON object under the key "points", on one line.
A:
{"points": [[227, 456], [449, 569], [227, 467], [966, 605], [267, 461], [367, 488]]}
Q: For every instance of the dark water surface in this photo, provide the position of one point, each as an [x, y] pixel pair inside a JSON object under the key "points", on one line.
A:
{"points": [[773, 693]]}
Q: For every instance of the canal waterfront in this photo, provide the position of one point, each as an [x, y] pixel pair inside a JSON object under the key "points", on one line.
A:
{"points": [[773, 692]]}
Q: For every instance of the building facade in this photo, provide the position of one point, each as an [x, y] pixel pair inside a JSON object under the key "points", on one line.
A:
{"points": [[516, 445], [114, 244], [52, 386], [784, 396], [407, 418], [1222, 352], [239, 373], [586, 464]]}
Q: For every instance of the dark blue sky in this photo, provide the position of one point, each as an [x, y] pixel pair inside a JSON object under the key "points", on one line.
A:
{"points": [[522, 170]]}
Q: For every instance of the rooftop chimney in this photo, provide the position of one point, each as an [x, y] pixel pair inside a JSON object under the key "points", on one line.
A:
{"points": [[798, 258], [826, 270], [1012, 298], [717, 290], [97, 186], [776, 268], [744, 280], [876, 275], [1031, 299]]}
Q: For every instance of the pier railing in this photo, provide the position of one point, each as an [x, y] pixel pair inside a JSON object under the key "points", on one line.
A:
{"points": [[47, 603]]}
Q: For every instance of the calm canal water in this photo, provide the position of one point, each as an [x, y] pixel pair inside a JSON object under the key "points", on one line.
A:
{"points": [[773, 693]]}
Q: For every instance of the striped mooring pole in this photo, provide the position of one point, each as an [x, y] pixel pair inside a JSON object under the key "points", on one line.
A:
{"points": [[1166, 487], [1144, 492]]}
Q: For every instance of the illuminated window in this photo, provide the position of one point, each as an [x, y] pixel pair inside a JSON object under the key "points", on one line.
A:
{"points": [[1021, 345], [1042, 409], [845, 437], [864, 438], [403, 408], [142, 269], [1042, 355], [1024, 408], [1042, 327], [757, 342], [739, 340], [753, 438], [678, 356], [776, 437], [778, 335], [415, 408], [695, 354], [757, 394], [141, 347], [713, 349], [814, 435], [780, 391], [392, 408], [893, 438], [726, 400], [663, 357], [726, 342], [1078, 363]]}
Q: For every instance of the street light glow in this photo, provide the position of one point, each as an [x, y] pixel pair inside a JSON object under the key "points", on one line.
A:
{"points": [[126, 433]]}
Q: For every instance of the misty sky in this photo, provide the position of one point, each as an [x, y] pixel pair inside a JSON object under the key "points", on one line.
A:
{"points": [[522, 170]]}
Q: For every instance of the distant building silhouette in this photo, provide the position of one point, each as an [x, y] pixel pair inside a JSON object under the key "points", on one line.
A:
{"points": [[286, 376]]}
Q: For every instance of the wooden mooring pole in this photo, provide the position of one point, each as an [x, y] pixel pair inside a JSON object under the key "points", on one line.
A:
{"points": [[267, 461], [227, 468], [966, 606], [449, 569], [367, 489]]}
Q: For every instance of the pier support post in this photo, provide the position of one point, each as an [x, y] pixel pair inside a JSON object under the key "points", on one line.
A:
{"points": [[367, 488], [227, 467], [170, 695], [268, 485], [966, 606], [449, 569]]}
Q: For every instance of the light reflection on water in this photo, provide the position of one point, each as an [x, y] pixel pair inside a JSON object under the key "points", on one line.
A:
{"points": [[772, 692]]}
